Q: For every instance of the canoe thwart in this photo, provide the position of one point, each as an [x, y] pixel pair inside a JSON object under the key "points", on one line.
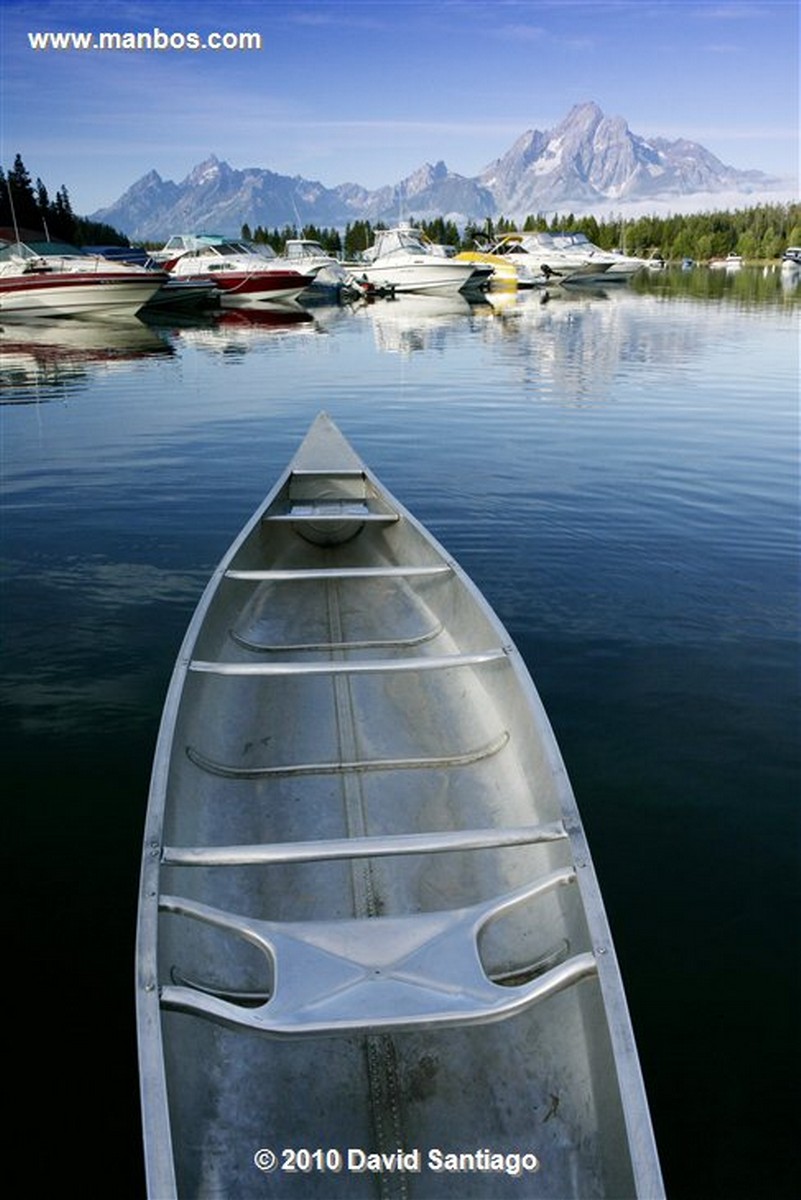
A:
{"points": [[332, 574], [382, 973], [362, 847], [351, 666]]}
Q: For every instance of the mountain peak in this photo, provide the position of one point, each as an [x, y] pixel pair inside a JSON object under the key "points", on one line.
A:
{"points": [[210, 169], [585, 113], [585, 162]]}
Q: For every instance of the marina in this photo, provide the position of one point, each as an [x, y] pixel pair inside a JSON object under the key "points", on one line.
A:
{"points": [[617, 471]]}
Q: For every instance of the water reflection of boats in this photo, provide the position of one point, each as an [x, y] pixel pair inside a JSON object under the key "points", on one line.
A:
{"points": [[555, 296], [235, 329], [732, 262], [43, 351], [417, 322], [279, 316]]}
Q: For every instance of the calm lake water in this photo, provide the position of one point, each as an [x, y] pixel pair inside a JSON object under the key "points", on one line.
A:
{"points": [[619, 474]]}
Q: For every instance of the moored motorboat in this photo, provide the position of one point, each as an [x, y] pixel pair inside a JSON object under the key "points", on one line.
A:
{"points": [[400, 259], [39, 277], [243, 273], [506, 271], [369, 926], [791, 260], [331, 278], [620, 266], [189, 292], [557, 258]]}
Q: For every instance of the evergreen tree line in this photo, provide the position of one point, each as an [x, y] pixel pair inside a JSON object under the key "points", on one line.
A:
{"points": [[761, 232], [27, 206]]}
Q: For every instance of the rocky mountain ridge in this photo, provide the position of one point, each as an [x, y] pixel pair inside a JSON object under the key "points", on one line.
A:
{"points": [[585, 162]]}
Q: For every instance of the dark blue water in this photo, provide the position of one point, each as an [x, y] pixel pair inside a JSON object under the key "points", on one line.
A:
{"points": [[618, 473]]}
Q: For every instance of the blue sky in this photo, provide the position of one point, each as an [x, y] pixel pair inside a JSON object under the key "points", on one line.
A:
{"points": [[359, 91]]}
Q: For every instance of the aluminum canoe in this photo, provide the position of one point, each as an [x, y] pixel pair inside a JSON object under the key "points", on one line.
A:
{"points": [[372, 956]]}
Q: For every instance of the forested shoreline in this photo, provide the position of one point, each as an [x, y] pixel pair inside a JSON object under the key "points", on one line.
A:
{"points": [[759, 233]]}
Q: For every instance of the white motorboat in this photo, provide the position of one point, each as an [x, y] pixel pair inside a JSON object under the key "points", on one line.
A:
{"points": [[55, 279], [621, 266], [791, 260], [567, 258], [401, 260], [243, 272]]}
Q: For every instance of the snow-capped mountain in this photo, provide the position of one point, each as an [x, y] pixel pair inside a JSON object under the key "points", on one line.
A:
{"points": [[585, 163], [590, 158]]}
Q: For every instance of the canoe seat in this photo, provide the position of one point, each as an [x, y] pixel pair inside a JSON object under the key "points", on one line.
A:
{"points": [[382, 973], [318, 509]]}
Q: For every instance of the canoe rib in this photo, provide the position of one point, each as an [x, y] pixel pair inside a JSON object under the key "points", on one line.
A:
{"points": [[298, 647], [387, 973], [464, 759]]}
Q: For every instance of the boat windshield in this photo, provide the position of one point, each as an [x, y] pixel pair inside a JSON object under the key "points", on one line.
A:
{"points": [[393, 241], [304, 250], [536, 242], [260, 249], [39, 250], [505, 246], [573, 241], [9, 250], [177, 242], [223, 249]]}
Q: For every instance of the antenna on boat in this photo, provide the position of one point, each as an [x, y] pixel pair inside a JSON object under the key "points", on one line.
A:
{"points": [[13, 210], [297, 214]]}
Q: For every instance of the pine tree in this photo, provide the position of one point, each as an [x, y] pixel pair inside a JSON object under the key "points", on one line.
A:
{"points": [[24, 209]]}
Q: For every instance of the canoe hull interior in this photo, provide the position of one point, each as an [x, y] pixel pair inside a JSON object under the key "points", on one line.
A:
{"points": [[343, 680]]}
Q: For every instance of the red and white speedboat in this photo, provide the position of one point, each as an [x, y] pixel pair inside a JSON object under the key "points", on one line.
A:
{"points": [[243, 273], [54, 279]]}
